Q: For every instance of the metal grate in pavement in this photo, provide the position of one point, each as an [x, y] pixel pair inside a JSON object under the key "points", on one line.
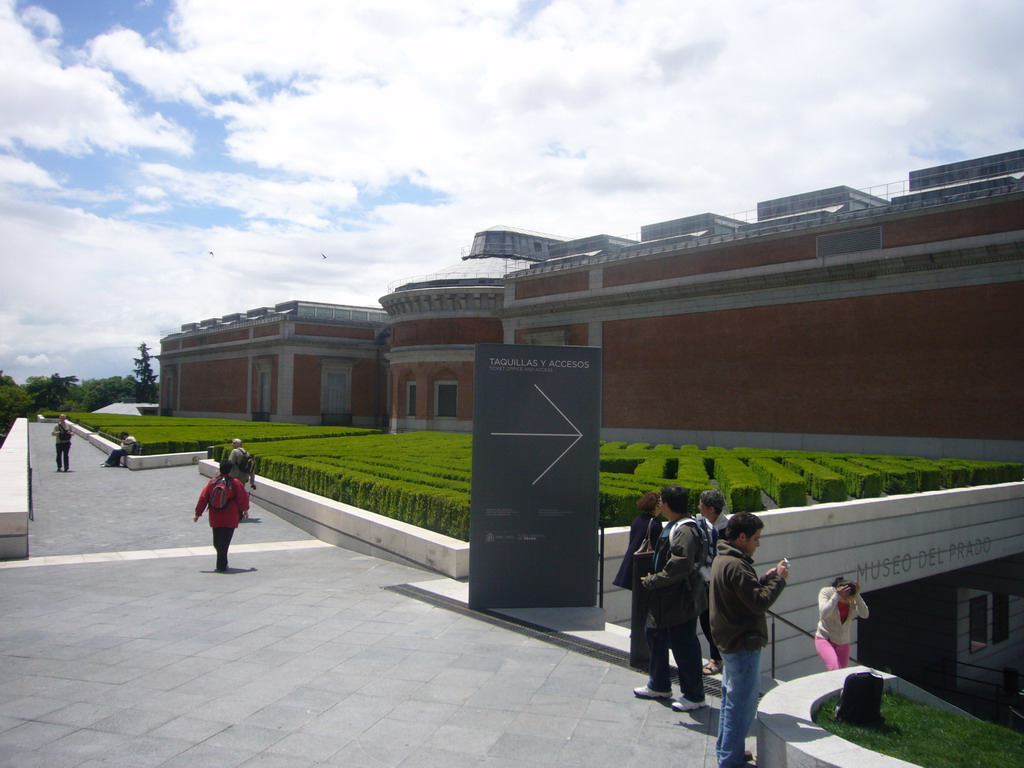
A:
{"points": [[712, 684]]}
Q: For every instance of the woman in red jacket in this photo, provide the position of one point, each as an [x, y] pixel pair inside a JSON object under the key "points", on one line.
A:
{"points": [[228, 502]]}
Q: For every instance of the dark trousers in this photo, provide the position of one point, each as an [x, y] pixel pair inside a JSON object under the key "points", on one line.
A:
{"points": [[114, 459], [705, 626], [685, 647], [221, 542], [63, 450]]}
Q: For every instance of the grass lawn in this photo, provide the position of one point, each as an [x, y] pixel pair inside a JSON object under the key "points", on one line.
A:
{"points": [[929, 737]]}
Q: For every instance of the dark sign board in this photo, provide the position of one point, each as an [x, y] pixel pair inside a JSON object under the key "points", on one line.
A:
{"points": [[534, 509]]}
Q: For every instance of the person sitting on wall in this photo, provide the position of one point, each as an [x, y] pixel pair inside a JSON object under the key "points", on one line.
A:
{"points": [[127, 447]]}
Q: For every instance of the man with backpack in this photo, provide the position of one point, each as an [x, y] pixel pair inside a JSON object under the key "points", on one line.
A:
{"points": [[228, 503], [677, 597], [242, 464]]}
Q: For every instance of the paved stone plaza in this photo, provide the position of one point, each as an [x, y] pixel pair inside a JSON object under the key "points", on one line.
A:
{"points": [[120, 646]]}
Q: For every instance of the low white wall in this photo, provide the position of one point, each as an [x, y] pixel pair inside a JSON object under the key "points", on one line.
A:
{"points": [[162, 460], [156, 461], [14, 492], [787, 736]]}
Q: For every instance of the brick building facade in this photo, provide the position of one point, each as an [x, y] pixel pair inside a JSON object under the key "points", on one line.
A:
{"points": [[301, 362]]}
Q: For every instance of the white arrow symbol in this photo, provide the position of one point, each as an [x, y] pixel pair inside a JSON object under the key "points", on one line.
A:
{"points": [[575, 433]]}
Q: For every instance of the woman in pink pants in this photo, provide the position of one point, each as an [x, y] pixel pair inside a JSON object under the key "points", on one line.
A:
{"points": [[837, 607]]}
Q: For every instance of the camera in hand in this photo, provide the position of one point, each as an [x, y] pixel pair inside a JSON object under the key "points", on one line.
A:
{"points": [[852, 586]]}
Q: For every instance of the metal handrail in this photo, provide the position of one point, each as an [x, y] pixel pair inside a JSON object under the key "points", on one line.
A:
{"points": [[28, 469]]}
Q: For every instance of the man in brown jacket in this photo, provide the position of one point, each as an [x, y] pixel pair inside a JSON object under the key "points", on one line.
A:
{"points": [[739, 602]]}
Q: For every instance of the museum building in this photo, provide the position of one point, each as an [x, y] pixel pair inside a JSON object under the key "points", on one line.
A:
{"points": [[885, 320]]}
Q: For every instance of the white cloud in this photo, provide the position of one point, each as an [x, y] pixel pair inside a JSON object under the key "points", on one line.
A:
{"points": [[34, 361], [72, 109], [305, 203], [16, 171], [167, 75], [35, 17], [150, 193]]}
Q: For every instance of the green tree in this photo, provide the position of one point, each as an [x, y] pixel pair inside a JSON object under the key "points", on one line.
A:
{"points": [[54, 393], [97, 393], [146, 389], [14, 402]]}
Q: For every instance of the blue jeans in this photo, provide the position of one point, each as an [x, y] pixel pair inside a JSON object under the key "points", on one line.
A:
{"points": [[682, 639], [741, 683], [114, 459]]}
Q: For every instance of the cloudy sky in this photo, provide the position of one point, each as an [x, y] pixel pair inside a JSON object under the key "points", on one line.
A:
{"points": [[139, 136]]}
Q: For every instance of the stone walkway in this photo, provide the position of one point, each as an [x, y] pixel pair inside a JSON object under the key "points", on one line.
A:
{"points": [[120, 646]]}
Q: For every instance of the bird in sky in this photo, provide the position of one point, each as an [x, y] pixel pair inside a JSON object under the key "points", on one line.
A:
{"points": [[323, 255], [211, 253]]}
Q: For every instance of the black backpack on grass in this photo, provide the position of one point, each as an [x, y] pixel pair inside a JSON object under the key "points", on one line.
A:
{"points": [[860, 703]]}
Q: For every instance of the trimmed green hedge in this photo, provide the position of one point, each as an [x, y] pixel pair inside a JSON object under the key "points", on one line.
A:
{"points": [[738, 484], [822, 483], [990, 472], [897, 477], [861, 482], [784, 485], [163, 434], [445, 510], [930, 472]]}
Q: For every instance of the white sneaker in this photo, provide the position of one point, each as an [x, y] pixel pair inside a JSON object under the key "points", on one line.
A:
{"points": [[685, 705], [646, 693]]}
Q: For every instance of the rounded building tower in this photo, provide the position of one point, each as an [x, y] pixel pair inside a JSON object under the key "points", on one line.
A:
{"points": [[437, 319]]}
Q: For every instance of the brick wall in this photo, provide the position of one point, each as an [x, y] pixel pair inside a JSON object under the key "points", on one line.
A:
{"points": [[574, 334], [306, 386], [216, 386], [333, 331], [942, 363], [425, 375], [452, 330], [548, 285], [369, 389]]}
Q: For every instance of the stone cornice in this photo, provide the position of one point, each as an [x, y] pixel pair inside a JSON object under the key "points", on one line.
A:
{"points": [[435, 354], [271, 345], [444, 301]]}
